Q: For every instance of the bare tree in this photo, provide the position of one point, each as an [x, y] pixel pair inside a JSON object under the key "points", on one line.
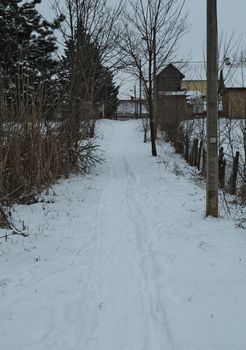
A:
{"points": [[151, 31], [99, 19], [89, 32]]}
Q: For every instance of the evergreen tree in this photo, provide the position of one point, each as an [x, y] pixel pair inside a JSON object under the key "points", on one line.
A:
{"points": [[106, 91], [90, 82], [27, 46]]}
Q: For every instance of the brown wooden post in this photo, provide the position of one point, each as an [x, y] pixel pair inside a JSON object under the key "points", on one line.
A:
{"points": [[204, 162], [233, 177], [196, 142], [191, 158], [212, 110], [199, 155], [222, 166], [187, 148]]}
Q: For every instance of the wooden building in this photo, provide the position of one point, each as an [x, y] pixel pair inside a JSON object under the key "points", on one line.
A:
{"points": [[195, 85], [234, 103], [172, 105], [169, 79], [232, 91]]}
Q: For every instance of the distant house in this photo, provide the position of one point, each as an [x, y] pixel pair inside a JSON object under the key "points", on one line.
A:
{"points": [[195, 85], [130, 108], [169, 79], [234, 102], [231, 86], [172, 104], [197, 100]]}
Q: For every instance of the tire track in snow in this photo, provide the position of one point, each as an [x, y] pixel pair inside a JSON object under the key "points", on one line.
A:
{"points": [[112, 263], [90, 295], [159, 330], [118, 313]]}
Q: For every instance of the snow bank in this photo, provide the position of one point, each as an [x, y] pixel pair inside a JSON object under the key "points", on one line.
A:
{"points": [[124, 259]]}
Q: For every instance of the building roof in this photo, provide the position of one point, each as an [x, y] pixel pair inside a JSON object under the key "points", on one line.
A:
{"points": [[234, 74], [170, 66], [195, 71], [242, 89]]}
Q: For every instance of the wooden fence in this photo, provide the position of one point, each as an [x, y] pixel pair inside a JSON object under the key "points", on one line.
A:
{"points": [[196, 155]]}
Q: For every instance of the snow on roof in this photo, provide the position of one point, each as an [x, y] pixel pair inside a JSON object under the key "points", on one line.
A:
{"points": [[187, 93], [172, 93], [235, 76], [194, 94]]}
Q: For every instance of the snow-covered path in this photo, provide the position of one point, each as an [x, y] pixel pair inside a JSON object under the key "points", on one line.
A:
{"points": [[119, 283], [124, 260]]}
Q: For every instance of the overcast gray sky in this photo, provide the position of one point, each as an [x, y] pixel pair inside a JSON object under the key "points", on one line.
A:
{"points": [[231, 18]]}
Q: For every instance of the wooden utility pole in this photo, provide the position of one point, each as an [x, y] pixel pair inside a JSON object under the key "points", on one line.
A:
{"points": [[212, 110]]}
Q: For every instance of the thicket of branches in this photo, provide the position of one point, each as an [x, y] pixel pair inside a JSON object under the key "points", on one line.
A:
{"points": [[151, 33], [48, 105]]}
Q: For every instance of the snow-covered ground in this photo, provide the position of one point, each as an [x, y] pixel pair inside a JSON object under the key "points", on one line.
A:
{"points": [[124, 259]]}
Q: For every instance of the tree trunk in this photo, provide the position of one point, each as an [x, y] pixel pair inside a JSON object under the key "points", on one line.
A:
{"points": [[151, 114]]}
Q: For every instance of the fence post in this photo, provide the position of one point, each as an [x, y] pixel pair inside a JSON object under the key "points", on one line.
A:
{"points": [[233, 177], [196, 142], [187, 146], [222, 165], [204, 162], [191, 158], [199, 155]]}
